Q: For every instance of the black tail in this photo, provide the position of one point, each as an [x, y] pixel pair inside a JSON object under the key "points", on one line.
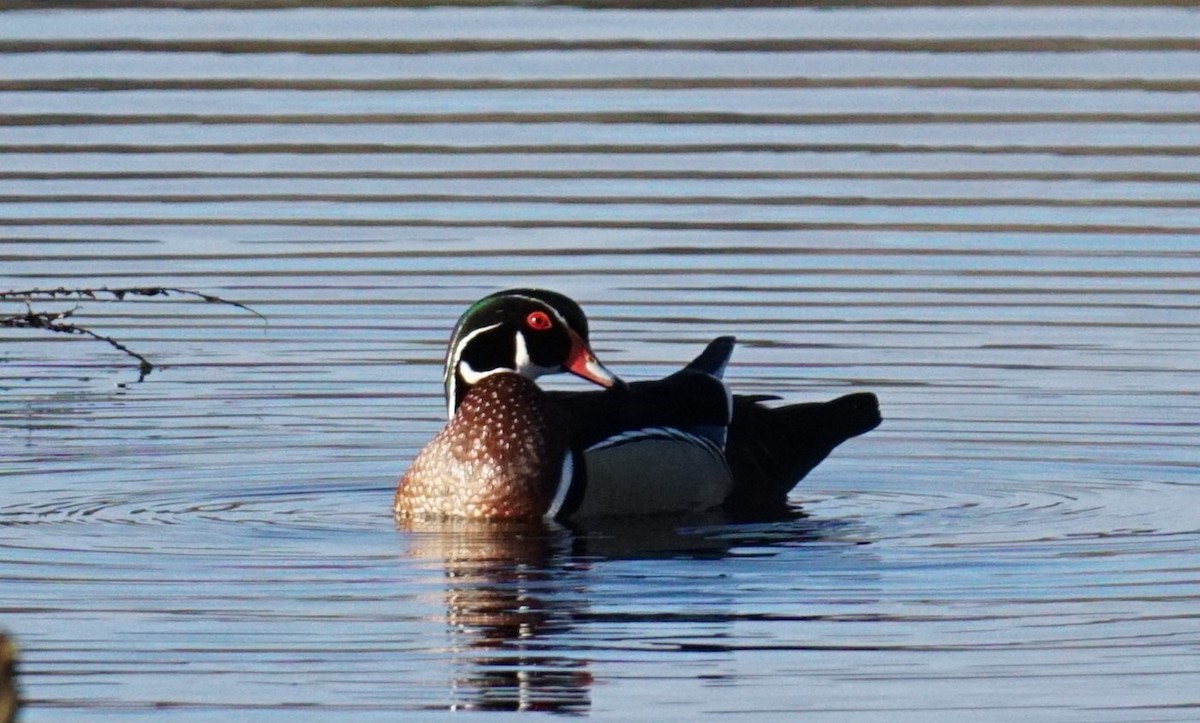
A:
{"points": [[714, 358], [771, 449]]}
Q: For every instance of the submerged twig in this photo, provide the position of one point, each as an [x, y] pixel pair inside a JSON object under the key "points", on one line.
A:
{"points": [[58, 321]]}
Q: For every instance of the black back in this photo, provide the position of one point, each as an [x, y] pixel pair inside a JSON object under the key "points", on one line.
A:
{"points": [[693, 399], [769, 449]]}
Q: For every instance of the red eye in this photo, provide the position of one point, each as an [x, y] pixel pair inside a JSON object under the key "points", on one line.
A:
{"points": [[538, 321]]}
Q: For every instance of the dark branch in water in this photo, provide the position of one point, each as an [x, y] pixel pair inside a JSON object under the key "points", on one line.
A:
{"points": [[58, 321], [119, 294]]}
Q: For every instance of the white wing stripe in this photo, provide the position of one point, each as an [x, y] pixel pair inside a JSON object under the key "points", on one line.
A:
{"points": [[637, 435]]}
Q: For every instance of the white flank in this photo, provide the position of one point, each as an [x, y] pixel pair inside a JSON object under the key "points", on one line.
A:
{"points": [[654, 470]]}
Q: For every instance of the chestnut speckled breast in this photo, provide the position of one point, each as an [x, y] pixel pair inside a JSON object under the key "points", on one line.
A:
{"points": [[502, 456]]}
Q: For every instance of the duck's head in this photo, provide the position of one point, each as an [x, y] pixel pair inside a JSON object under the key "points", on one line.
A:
{"points": [[528, 331]]}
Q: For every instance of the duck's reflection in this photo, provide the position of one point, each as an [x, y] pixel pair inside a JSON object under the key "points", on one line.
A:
{"points": [[509, 589], [514, 592]]}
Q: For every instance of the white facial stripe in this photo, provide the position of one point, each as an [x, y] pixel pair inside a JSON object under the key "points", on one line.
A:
{"points": [[462, 344], [564, 487], [525, 365], [456, 365]]}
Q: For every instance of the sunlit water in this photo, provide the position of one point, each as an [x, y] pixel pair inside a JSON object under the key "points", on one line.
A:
{"points": [[987, 216]]}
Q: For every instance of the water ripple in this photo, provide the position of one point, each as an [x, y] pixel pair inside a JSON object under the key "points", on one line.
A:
{"points": [[986, 215]]}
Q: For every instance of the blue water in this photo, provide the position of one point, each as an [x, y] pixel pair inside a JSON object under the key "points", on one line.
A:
{"points": [[987, 216]]}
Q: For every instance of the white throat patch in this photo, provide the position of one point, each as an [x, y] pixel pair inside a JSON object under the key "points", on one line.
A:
{"points": [[522, 365], [457, 366]]}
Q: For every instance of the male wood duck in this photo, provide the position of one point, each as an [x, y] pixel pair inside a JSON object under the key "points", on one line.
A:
{"points": [[680, 444]]}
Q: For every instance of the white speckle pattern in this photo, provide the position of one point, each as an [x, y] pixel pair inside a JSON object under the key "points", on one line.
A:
{"points": [[500, 457]]}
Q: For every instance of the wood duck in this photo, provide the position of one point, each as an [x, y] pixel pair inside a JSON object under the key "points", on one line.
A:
{"points": [[674, 445]]}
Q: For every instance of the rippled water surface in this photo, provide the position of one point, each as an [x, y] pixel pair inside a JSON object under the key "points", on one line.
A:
{"points": [[986, 215]]}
